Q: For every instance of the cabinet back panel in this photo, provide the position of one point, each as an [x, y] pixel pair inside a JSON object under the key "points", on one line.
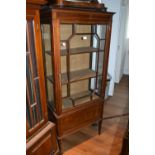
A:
{"points": [[80, 86], [65, 31], [63, 64], [78, 41], [79, 62], [83, 28], [49, 69], [46, 36], [50, 91]]}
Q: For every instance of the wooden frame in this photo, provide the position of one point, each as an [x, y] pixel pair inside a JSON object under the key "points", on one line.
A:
{"points": [[34, 15], [44, 142], [73, 119]]}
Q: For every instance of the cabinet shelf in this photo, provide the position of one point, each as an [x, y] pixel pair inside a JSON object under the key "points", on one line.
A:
{"points": [[79, 50], [66, 103], [81, 95], [69, 102], [75, 76]]}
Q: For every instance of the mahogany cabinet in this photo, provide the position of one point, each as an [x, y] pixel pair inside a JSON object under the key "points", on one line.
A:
{"points": [[40, 133], [76, 43]]}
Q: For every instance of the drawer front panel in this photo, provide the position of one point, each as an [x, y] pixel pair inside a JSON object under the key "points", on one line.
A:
{"points": [[80, 118], [44, 145]]}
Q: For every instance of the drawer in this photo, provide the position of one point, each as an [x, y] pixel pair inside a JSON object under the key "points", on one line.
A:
{"points": [[44, 142], [80, 118]]}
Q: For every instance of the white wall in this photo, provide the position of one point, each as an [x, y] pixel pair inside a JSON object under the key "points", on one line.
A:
{"points": [[126, 63], [118, 58], [113, 6], [122, 53]]}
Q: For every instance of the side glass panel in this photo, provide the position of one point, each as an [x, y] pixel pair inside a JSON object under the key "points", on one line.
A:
{"points": [[82, 53], [33, 102], [48, 64]]}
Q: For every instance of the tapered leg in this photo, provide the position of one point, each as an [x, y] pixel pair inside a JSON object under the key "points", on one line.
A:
{"points": [[99, 127], [60, 146]]}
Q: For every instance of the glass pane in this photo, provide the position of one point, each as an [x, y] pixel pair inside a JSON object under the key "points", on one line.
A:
{"points": [[100, 63], [33, 101], [34, 112], [50, 94], [83, 28], [79, 62], [64, 90], [80, 41], [29, 81], [63, 64], [48, 63], [102, 44], [65, 31], [32, 46], [46, 36], [37, 87], [101, 31], [28, 115]]}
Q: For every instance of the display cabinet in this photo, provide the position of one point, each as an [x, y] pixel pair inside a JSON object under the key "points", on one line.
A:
{"points": [[40, 133], [76, 43]]}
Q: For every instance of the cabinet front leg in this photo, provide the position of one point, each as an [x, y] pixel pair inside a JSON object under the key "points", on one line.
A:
{"points": [[60, 146], [99, 127]]}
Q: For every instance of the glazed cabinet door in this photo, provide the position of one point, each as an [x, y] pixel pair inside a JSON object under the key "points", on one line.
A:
{"points": [[36, 113], [82, 58]]}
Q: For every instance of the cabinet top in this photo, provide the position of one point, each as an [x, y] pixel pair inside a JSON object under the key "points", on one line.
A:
{"points": [[74, 9], [75, 15]]}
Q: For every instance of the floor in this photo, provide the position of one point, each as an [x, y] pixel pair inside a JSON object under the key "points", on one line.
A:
{"points": [[88, 142]]}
